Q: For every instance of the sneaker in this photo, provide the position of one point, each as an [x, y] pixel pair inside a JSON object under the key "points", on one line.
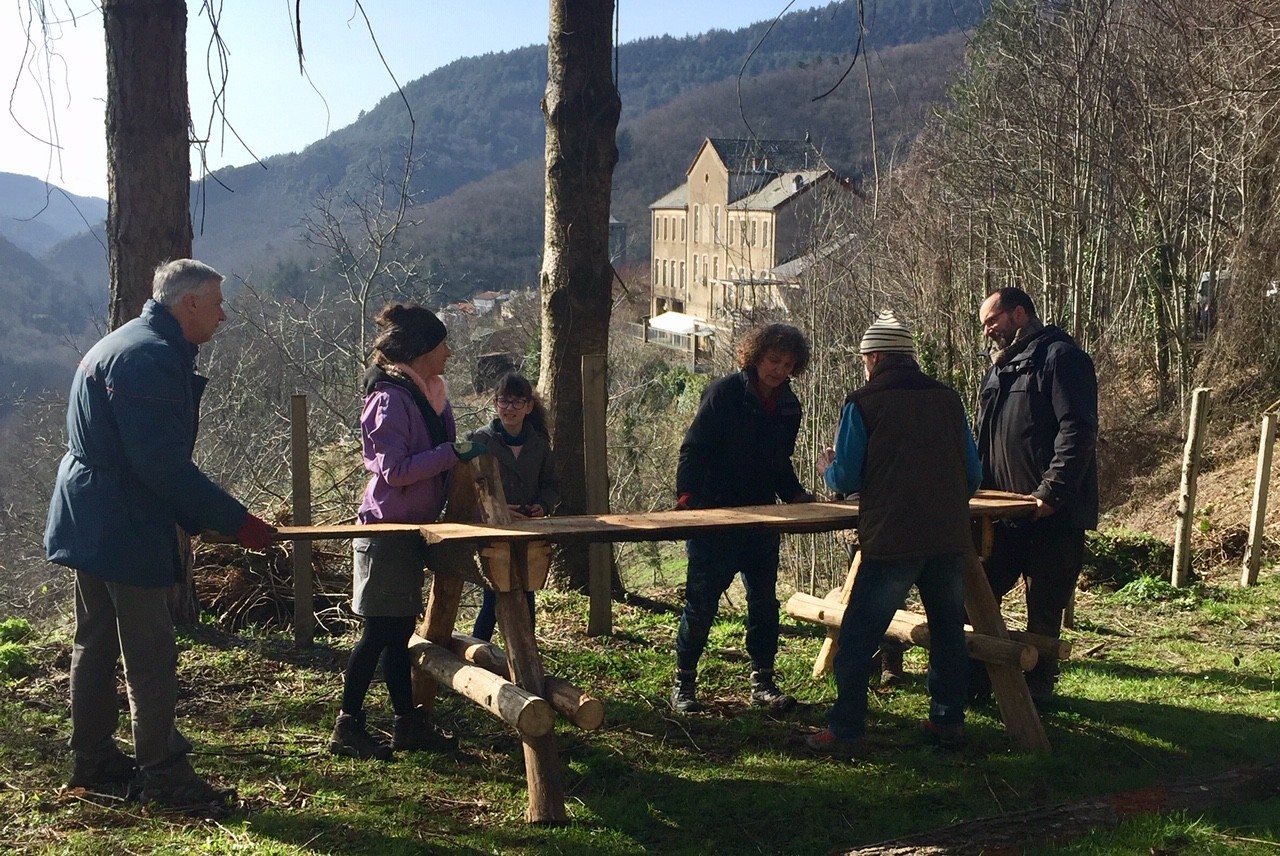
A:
{"points": [[684, 692], [352, 739], [416, 731], [826, 743], [765, 693], [944, 736], [177, 787], [112, 768]]}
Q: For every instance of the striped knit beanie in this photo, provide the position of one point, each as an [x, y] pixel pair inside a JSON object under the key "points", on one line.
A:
{"points": [[887, 334]]}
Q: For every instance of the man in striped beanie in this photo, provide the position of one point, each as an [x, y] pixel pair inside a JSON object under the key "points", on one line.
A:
{"points": [[904, 446]]}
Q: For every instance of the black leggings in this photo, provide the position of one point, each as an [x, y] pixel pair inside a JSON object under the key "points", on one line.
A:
{"points": [[386, 637]]}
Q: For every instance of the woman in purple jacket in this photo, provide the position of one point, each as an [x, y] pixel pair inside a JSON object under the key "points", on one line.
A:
{"points": [[407, 431]]}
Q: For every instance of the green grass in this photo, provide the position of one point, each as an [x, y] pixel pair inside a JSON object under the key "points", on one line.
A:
{"points": [[1159, 688]]}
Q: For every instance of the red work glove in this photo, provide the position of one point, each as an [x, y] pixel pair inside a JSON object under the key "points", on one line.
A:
{"points": [[682, 503], [255, 534]]}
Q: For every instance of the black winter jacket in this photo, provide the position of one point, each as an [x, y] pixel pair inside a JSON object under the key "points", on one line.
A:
{"points": [[735, 453], [1038, 427]]}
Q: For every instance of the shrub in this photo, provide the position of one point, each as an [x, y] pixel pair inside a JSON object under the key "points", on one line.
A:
{"points": [[1117, 557]]}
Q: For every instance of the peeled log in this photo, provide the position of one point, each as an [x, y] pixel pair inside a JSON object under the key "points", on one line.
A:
{"points": [[529, 714], [908, 627], [579, 708]]}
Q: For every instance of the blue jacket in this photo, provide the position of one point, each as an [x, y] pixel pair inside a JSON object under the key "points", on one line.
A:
{"points": [[127, 480]]}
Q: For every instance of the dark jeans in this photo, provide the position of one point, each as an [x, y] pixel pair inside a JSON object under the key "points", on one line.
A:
{"points": [[1048, 555], [386, 638], [114, 620], [713, 562], [487, 617], [878, 591]]}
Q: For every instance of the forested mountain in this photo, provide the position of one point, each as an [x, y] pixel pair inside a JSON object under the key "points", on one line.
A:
{"points": [[477, 136], [35, 215]]}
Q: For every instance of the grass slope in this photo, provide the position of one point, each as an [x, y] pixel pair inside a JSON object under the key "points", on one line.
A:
{"points": [[1164, 685]]}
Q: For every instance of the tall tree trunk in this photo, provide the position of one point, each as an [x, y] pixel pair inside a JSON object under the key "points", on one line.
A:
{"points": [[581, 107], [148, 172], [148, 154]]}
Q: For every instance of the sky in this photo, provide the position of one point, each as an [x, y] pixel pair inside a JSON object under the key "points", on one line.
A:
{"points": [[55, 78]]}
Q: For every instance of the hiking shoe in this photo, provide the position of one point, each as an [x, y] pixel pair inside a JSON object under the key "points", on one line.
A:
{"points": [[944, 736], [891, 674], [352, 739], [112, 768], [765, 693], [177, 787], [684, 692], [1041, 690], [826, 743], [416, 731]]}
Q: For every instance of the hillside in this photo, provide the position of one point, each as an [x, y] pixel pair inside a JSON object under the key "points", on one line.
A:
{"points": [[477, 117], [35, 216]]}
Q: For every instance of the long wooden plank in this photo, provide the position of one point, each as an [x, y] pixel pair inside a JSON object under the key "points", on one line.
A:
{"points": [[649, 526]]}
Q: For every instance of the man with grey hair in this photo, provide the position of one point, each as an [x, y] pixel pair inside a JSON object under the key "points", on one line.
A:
{"points": [[125, 485], [904, 446]]}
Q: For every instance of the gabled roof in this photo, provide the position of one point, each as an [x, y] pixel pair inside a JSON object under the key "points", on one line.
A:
{"points": [[779, 189], [752, 164]]}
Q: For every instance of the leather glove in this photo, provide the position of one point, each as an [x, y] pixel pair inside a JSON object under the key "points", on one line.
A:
{"points": [[682, 503], [255, 534], [468, 449]]}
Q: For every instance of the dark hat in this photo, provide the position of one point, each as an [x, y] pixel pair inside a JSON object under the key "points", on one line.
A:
{"points": [[408, 332]]}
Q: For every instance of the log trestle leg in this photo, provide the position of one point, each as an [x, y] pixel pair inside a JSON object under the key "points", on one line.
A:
{"points": [[1019, 714], [541, 754], [827, 654]]}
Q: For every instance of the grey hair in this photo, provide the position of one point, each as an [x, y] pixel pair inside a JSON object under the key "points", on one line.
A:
{"points": [[176, 279]]}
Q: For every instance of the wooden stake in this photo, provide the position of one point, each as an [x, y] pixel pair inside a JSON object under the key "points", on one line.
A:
{"points": [[596, 465], [1258, 520], [304, 610], [1181, 574]]}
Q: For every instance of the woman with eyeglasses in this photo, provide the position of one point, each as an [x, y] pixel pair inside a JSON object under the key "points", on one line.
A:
{"points": [[520, 442]]}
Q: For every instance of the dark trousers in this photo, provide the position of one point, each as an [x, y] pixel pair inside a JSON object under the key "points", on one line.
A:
{"points": [[713, 562], [386, 638], [1048, 555], [115, 621], [878, 592], [487, 617]]}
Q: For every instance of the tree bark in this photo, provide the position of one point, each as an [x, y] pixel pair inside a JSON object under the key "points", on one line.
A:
{"points": [[148, 155], [581, 108], [148, 168]]}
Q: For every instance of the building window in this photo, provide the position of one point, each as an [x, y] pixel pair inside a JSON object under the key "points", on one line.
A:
{"points": [[753, 233], [697, 224], [743, 226], [730, 231], [683, 229], [704, 268], [682, 282], [695, 262], [766, 234], [715, 236], [715, 268]]}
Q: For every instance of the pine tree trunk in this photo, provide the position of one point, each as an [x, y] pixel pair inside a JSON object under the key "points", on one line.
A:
{"points": [[581, 107], [148, 169]]}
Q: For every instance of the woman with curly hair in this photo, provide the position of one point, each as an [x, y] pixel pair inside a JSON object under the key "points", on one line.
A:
{"points": [[736, 452]]}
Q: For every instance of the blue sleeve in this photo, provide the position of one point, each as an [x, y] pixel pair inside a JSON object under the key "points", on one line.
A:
{"points": [[845, 473], [972, 464]]}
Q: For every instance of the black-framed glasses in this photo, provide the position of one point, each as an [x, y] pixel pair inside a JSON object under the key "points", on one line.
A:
{"points": [[508, 403]]}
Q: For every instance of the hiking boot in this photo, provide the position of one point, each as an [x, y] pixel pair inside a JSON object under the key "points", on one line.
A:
{"points": [[97, 771], [765, 693], [1040, 688], [891, 674], [352, 739], [684, 693], [416, 731], [825, 742], [178, 787], [942, 735]]}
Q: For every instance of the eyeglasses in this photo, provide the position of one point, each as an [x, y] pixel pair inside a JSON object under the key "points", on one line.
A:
{"points": [[508, 403]]}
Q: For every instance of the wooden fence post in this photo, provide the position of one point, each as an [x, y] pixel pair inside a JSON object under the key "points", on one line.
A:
{"points": [[304, 613], [1257, 522], [1181, 575], [595, 452]]}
